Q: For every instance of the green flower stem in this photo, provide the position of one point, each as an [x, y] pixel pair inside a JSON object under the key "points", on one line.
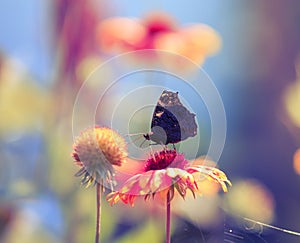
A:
{"points": [[168, 220], [98, 222]]}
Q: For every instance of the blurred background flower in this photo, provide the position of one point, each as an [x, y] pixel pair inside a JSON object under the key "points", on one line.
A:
{"points": [[158, 30], [252, 200], [18, 89], [50, 49]]}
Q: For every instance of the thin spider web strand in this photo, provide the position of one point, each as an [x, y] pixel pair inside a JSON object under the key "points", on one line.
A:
{"points": [[273, 227]]}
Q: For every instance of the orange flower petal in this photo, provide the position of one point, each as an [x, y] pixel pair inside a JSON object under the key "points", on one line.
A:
{"points": [[120, 34], [201, 39], [297, 161], [211, 173]]}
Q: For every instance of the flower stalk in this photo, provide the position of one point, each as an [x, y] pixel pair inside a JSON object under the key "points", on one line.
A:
{"points": [[168, 219], [96, 151], [98, 221], [164, 173]]}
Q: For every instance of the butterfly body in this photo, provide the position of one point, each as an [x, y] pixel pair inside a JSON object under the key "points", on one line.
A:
{"points": [[171, 121]]}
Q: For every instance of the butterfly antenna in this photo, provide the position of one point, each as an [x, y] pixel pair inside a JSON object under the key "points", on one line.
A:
{"points": [[174, 147], [133, 134], [134, 140], [143, 142]]}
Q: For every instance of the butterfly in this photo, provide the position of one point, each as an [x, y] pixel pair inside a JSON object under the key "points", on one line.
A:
{"points": [[171, 121]]}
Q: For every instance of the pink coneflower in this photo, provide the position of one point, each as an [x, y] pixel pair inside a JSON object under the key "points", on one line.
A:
{"points": [[166, 172]]}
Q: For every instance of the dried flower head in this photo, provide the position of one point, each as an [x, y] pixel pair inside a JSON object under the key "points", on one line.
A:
{"points": [[96, 150], [164, 172]]}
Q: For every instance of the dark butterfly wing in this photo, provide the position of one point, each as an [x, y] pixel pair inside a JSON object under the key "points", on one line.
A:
{"points": [[165, 127], [171, 121]]}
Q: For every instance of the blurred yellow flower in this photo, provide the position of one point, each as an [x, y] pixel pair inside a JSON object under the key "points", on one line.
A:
{"points": [[249, 198], [96, 151], [292, 102], [292, 98], [23, 104]]}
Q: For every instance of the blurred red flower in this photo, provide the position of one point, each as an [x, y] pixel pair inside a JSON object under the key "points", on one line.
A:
{"points": [[158, 31], [74, 31]]}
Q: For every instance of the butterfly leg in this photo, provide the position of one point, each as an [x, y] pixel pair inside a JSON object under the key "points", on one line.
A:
{"points": [[152, 154], [151, 144], [174, 147], [143, 143]]}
